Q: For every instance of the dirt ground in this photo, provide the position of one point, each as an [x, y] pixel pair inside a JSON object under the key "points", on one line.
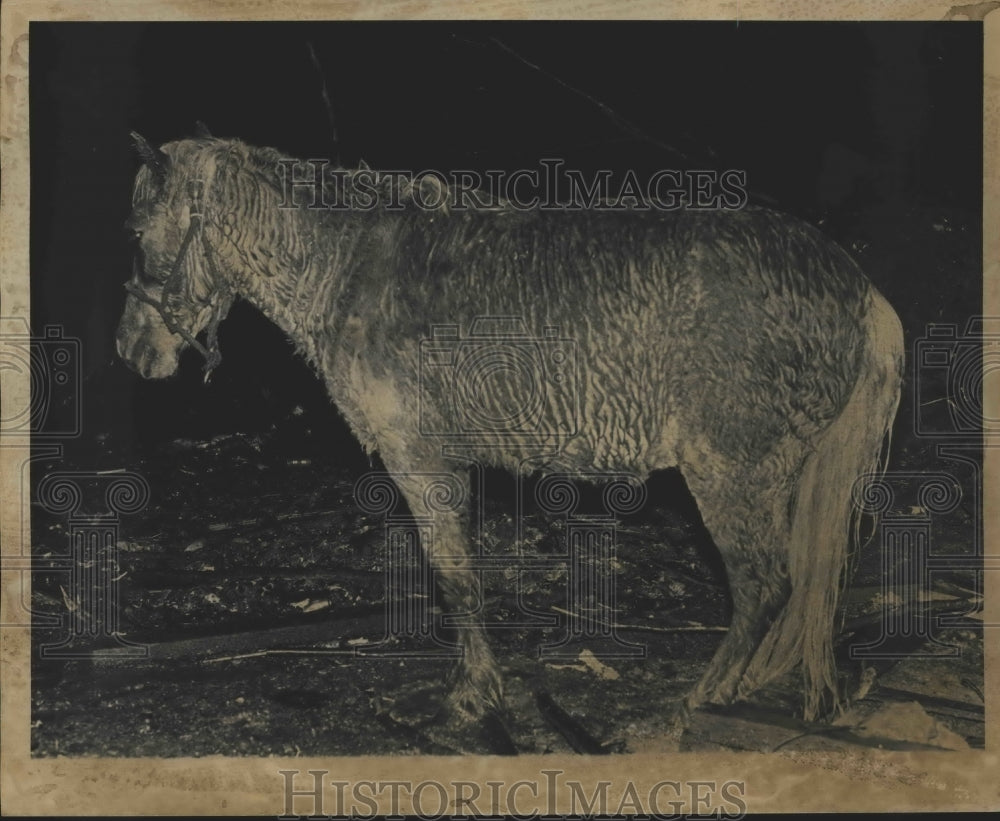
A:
{"points": [[259, 587]]}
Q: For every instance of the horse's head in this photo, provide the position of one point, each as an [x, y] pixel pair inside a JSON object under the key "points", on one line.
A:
{"points": [[175, 291]]}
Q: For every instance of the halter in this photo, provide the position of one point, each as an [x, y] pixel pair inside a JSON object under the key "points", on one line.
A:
{"points": [[171, 287]]}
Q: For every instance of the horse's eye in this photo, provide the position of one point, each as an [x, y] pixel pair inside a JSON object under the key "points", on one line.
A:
{"points": [[131, 230]]}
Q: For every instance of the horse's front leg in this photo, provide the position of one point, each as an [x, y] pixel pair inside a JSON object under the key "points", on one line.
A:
{"points": [[441, 498], [476, 686]]}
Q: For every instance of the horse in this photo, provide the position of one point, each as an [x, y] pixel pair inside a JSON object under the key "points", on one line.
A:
{"points": [[741, 347]]}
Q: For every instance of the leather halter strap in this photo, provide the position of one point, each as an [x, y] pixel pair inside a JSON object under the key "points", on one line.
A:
{"points": [[172, 286]]}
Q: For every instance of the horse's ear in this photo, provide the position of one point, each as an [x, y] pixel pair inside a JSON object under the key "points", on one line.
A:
{"points": [[363, 166], [157, 159], [201, 131]]}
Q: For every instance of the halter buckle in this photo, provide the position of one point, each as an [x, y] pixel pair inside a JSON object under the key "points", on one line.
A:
{"points": [[196, 191]]}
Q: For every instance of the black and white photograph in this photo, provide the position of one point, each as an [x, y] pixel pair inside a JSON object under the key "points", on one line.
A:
{"points": [[548, 393]]}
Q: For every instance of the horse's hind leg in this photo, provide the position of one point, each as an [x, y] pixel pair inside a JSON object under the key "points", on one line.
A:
{"points": [[748, 518]]}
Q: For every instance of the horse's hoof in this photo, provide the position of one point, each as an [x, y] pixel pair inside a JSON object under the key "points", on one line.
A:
{"points": [[679, 722], [486, 735], [427, 710], [414, 706]]}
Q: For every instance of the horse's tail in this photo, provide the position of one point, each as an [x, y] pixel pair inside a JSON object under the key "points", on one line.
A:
{"points": [[824, 523]]}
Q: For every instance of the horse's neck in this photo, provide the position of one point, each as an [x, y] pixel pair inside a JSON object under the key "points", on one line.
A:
{"points": [[292, 265]]}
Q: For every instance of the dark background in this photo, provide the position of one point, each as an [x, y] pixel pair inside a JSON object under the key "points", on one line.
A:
{"points": [[873, 131]]}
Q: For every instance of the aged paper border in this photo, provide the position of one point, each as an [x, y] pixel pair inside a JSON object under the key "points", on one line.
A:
{"points": [[862, 780]]}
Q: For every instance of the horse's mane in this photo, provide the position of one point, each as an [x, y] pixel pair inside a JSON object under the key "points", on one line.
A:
{"points": [[341, 183]]}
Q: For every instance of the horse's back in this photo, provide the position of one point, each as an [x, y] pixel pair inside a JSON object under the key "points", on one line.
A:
{"points": [[738, 329]]}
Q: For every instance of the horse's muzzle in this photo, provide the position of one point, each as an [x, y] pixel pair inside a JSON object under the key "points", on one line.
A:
{"points": [[143, 355]]}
